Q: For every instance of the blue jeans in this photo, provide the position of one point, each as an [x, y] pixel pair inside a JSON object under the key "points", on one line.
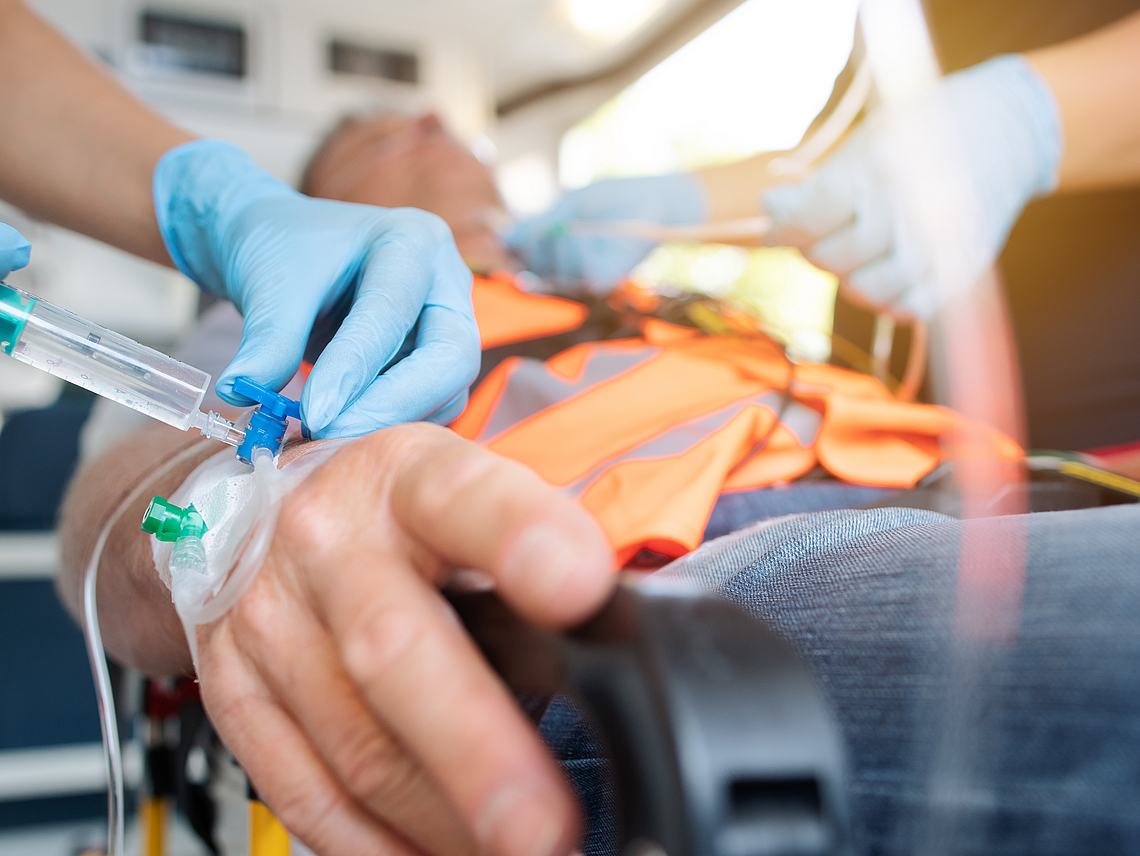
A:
{"points": [[1027, 747]]}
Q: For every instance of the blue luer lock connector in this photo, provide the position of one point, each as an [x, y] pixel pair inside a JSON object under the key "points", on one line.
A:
{"points": [[267, 425]]}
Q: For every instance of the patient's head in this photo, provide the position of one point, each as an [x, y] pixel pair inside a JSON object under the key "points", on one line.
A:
{"points": [[394, 161]]}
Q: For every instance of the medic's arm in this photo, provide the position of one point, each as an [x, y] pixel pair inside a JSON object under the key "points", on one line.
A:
{"points": [[1096, 82], [77, 148]]}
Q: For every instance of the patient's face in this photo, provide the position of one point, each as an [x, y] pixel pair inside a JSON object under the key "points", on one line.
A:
{"points": [[397, 161]]}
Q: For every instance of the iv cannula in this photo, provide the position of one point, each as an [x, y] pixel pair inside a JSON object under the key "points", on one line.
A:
{"points": [[38, 333]]}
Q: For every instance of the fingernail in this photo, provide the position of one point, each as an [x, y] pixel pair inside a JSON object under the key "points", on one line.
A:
{"points": [[543, 558], [327, 401], [225, 386], [517, 823], [321, 411]]}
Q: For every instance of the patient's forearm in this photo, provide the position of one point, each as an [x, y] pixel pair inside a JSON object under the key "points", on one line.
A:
{"points": [[136, 615]]}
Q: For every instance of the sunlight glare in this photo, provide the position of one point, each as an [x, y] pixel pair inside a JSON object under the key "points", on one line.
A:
{"points": [[610, 19], [752, 82]]}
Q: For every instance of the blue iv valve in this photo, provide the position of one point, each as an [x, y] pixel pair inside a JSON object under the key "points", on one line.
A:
{"points": [[266, 427]]}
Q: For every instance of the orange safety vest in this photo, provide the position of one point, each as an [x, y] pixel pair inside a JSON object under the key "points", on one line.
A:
{"points": [[647, 432]]}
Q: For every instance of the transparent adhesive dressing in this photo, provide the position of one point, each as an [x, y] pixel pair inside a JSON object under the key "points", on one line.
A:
{"points": [[75, 350]]}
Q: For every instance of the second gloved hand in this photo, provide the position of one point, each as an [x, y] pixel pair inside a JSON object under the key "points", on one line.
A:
{"points": [[920, 201], [14, 250], [551, 245], [285, 259]]}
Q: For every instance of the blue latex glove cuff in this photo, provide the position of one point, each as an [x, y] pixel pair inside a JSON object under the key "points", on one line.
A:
{"points": [[199, 188]]}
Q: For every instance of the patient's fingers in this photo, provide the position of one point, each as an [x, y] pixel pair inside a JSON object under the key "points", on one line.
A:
{"points": [[476, 509], [304, 672], [289, 776], [400, 643], [422, 676]]}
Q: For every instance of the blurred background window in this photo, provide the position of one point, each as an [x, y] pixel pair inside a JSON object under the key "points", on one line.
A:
{"points": [[752, 83]]}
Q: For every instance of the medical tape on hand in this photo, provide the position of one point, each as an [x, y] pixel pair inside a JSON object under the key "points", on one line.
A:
{"points": [[239, 506]]}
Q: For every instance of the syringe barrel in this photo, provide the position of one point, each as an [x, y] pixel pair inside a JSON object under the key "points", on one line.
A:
{"points": [[95, 358]]}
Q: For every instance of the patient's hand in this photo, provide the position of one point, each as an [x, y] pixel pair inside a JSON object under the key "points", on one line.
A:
{"points": [[343, 683]]}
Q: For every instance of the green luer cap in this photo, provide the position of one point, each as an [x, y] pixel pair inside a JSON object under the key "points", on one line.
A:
{"points": [[14, 309], [167, 521]]}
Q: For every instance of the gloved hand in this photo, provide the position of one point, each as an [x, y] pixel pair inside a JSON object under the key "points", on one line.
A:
{"points": [[14, 250], [285, 259], [549, 245], [921, 199]]}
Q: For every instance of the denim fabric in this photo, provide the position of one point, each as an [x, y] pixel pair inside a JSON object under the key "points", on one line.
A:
{"points": [[1029, 747], [579, 752], [734, 511]]}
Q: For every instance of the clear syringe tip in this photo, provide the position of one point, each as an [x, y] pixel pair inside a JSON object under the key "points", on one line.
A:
{"points": [[217, 427]]}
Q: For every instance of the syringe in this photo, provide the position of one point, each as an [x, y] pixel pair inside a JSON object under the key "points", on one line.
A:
{"points": [[61, 343], [747, 230]]}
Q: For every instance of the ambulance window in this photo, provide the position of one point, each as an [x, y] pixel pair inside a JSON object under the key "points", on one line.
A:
{"points": [[193, 44], [751, 83], [348, 58]]}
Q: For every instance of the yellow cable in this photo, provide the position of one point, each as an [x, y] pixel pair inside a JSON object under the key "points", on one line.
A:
{"points": [[267, 837], [153, 814], [1101, 477]]}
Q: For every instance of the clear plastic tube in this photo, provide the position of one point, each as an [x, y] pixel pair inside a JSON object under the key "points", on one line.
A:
{"points": [[108, 721], [217, 427], [93, 357], [188, 556], [725, 231], [78, 351]]}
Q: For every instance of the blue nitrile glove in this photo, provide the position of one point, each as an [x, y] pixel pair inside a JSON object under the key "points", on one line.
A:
{"points": [[284, 259], [549, 246], [14, 250], [921, 199]]}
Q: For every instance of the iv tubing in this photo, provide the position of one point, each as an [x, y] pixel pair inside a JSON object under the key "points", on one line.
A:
{"points": [[112, 752]]}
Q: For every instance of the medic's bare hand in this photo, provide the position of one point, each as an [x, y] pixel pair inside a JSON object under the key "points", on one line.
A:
{"points": [[919, 202], [343, 682], [408, 347]]}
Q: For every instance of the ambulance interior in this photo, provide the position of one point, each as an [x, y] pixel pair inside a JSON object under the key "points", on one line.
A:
{"points": [[550, 94]]}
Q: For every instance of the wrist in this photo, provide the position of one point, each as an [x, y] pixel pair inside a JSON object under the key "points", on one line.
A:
{"points": [[200, 188]]}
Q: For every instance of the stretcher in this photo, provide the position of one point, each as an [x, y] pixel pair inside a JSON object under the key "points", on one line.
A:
{"points": [[720, 740]]}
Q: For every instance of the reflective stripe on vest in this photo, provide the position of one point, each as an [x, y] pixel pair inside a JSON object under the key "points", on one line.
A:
{"points": [[646, 433]]}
